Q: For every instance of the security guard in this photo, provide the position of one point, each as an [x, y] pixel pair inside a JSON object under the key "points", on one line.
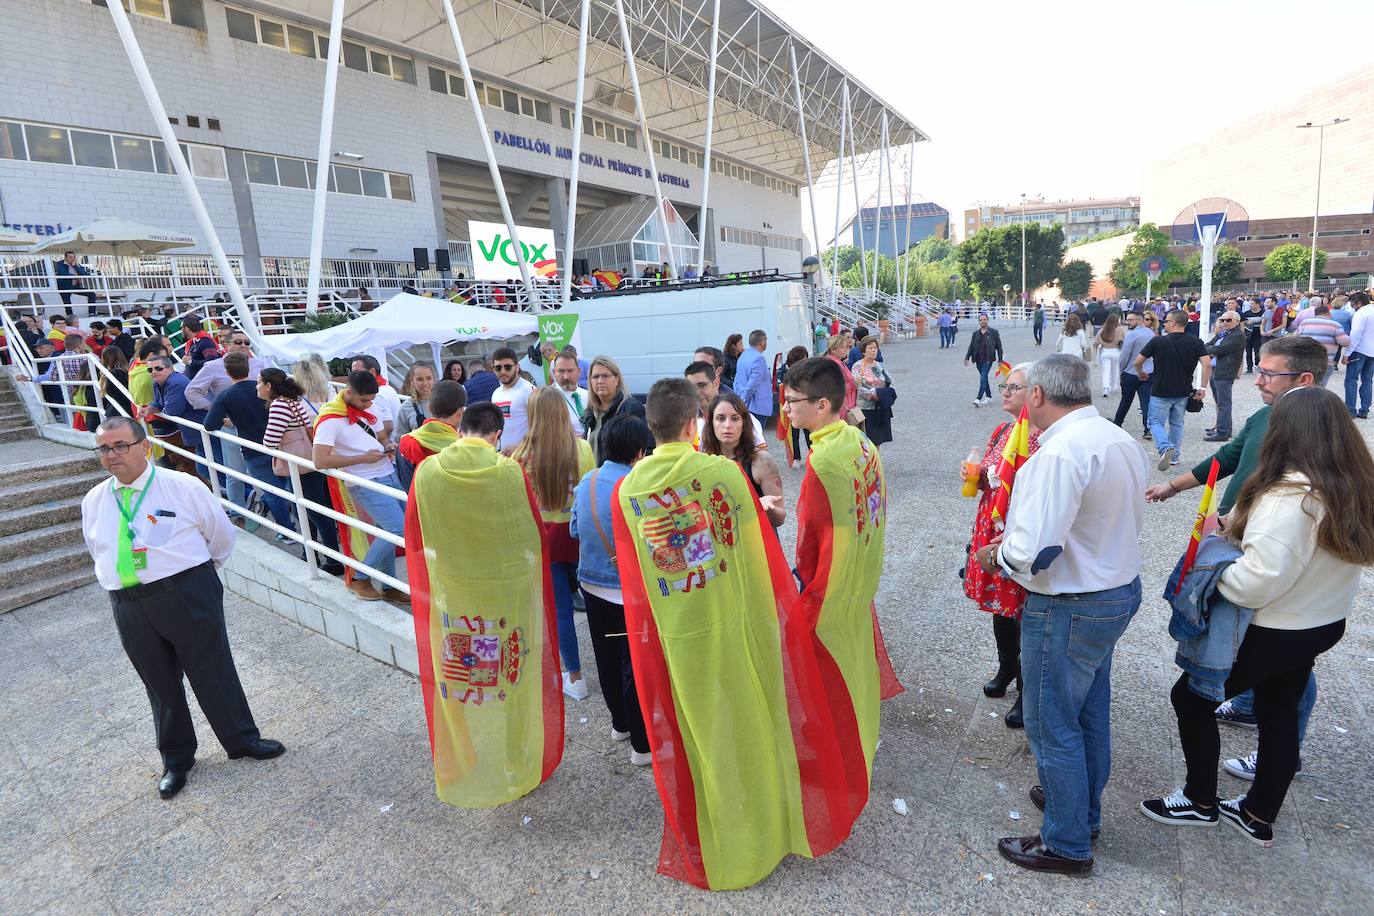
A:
{"points": [[156, 536]]}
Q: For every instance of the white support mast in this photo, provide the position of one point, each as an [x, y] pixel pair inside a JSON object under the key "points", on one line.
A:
{"points": [[710, 122], [858, 207], [178, 161], [644, 133], [806, 150], [839, 197], [906, 245], [322, 167], [482, 132], [568, 238]]}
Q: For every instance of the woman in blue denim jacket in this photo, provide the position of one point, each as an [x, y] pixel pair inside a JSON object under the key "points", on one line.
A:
{"points": [[623, 440]]}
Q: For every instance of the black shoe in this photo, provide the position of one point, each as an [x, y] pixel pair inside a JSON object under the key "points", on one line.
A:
{"points": [[1146, 435], [261, 749], [1217, 437], [1030, 852], [173, 780], [333, 567], [1014, 718], [1362, 416], [997, 687]]}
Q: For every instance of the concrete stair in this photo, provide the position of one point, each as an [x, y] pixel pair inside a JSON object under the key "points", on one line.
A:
{"points": [[41, 550]]}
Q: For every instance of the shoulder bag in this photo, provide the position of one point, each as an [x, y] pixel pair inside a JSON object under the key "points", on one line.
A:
{"points": [[296, 440]]}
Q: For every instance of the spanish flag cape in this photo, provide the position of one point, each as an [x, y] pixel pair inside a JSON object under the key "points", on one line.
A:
{"points": [[745, 757], [1204, 525], [486, 629], [429, 438], [353, 542], [1014, 454], [841, 519], [140, 383]]}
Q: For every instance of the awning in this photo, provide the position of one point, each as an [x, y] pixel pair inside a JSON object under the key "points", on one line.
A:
{"points": [[114, 236]]}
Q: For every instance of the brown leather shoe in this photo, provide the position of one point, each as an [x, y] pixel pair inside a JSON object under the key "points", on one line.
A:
{"points": [[1029, 852], [1037, 795], [365, 590], [396, 597]]}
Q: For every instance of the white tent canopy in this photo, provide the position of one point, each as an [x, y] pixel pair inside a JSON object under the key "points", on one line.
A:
{"points": [[113, 236], [404, 320], [13, 238]]}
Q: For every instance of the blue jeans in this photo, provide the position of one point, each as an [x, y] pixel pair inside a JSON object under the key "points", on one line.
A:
{"points": [[387, 514], [1245, 703], [1166, 422], [563, 575], [1066, 669], [231, 457], [984, 388], [260, 466], [1359, 379]]}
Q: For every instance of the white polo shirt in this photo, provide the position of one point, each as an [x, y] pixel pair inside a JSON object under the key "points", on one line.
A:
{"points": [[350, 440]]}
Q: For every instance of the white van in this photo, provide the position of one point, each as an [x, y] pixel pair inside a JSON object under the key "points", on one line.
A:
{"points": [[653, 335]]}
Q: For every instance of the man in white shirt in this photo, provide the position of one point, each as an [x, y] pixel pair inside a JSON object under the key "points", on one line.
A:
{"points": [[210, 382], [156, 536], [1359, 361], [386, 407], [512, 397], [565, 374], [707, 381], [1072, 541]]}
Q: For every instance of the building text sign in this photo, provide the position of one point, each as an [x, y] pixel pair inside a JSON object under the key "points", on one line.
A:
{"points": [[539, 145]]}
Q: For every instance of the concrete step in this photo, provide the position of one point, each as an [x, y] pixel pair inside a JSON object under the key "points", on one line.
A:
{"points": [[32, 493], [18, 435], [23, 543], [66, 509], [71, 465], [24, 595], [19, 421], [44, 565]]}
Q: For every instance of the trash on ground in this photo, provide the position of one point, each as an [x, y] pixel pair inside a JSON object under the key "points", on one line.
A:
{"points": [[386, 808], [1014, 815], [987, 877], [583, 720], [594, 873], [1343, 731], [526, 819], [899, 805], [1321, 798]]}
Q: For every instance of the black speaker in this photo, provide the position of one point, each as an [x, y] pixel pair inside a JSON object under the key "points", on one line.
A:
{"points": [[422, 259], [441, 259], [580, 267]]}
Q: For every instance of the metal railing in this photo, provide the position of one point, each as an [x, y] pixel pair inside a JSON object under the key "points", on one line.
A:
{"points": [[26, 364]]}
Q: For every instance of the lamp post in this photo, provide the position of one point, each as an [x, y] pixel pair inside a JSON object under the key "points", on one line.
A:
{"points": [[954, 284], [1023, 248], [1316, 208], [1006, 297]]}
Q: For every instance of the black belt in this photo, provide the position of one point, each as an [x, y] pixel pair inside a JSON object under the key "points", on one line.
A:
{"points": [[161, 585]]}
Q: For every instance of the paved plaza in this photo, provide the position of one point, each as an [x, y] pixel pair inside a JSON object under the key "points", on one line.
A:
{"points": [[347, 820]]}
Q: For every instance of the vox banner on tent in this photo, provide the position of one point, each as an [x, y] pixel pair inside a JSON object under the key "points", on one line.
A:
{"points": [[496, 257]]}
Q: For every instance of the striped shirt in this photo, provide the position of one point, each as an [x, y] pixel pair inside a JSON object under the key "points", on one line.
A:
{"points": [[283, 414], [1326, 331]]}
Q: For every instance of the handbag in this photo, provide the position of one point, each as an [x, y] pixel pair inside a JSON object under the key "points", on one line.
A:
{"points": [[296, 440], [1194, 404]]}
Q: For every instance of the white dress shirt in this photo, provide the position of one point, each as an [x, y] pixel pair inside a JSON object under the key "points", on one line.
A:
{"points": [[213, 379], [1076, 510], [180, 524], [1362, 331], [386, 407], [578, 429]]}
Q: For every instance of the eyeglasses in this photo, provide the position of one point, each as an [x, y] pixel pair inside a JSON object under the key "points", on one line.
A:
{"points": [[119, 448], [800, 400], [1265, 375], [239, 343], [1006, 387], [600, 377]]}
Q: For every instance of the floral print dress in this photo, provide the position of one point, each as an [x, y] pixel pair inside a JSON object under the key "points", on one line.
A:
{"points": [[993, 592]]}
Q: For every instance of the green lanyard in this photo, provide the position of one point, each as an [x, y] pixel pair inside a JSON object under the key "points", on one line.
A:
{"points": [[130, 514]]}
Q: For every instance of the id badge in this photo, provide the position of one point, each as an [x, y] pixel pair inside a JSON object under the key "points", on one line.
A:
{"points": [[140, 555]]}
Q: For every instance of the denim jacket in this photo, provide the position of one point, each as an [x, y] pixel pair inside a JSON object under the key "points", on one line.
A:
{"points": [[1207, 626], [594, 566]]}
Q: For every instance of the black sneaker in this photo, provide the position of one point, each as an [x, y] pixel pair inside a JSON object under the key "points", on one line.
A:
{"points": [[1257, 832], [1178, 809], [1229, 714]]}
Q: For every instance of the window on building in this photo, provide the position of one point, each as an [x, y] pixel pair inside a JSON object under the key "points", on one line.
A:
{"points": [[381, 63], [403, 69], [134, 154], [261, 169], [438, 80], [92, 149], [48, 144], [208, 162], [272, 34], [301, 41], [400, 187], [243, 26], [12, 141], [292, 173], [348, 180], [565, 118], [354, 56], [189, 13], [374, 183], [543, 111], [456, 87]]}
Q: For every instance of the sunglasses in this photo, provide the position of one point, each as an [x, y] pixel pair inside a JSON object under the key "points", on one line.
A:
{"points": [[504, 367]]}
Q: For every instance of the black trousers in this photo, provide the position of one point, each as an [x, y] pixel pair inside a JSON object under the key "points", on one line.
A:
{"points": [[1275, 664], [1131, 388], [613, 669], [797, 434], [1253, 342], [179, 630]]}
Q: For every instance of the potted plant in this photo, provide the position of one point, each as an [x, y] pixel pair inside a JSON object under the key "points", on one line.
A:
{"points": [[883, 311]]}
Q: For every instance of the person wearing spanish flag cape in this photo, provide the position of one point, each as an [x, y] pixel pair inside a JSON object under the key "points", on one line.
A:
{"points": [[841, 520], [745, 756], [485, 628], [447, 401]]}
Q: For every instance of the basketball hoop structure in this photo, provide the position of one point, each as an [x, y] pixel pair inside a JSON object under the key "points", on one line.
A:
{"points": [[1207, 223]]}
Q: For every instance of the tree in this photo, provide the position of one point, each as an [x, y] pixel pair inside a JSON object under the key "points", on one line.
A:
{"points": [[1226, 267], [1149, 242], [1075, 278], [931, 249], [1292, 262], [992, 257], [849, 256]]}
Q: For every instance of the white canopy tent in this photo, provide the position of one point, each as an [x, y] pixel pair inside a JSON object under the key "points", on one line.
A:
{"points": [[404, 320]]}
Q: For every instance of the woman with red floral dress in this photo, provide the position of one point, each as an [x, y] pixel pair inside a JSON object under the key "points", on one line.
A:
{"points": [[993, 592]]}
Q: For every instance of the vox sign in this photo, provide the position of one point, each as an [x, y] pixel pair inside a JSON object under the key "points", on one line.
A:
{"points": [[496, 257]]}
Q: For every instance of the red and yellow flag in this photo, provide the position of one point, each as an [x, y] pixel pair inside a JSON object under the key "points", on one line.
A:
{"points": [[745, 756], [1205, 524], [1014, 454], [784, 428], [1003, 369], [610, 277], [841, 520], [486, 630], [353, 542], [429, 438]]}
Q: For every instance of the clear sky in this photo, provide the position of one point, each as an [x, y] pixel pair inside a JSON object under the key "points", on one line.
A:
{"points": [[1070, 98]]}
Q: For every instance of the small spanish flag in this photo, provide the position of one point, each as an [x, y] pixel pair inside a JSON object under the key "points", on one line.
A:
{"points": [[1003, 369], [1205, 524], [784, 429], [610, 277], [1015, 454]]}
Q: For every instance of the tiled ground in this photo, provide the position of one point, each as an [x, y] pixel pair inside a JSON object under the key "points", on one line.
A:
{"points": [[347, 820]]}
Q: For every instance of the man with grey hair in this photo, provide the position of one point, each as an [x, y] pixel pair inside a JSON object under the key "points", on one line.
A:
{"points": [[1072, 541]]}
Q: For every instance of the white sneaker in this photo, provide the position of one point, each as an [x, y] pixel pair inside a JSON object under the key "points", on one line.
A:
{"points": [[1166, 458], [619, 736], [641, 760], [977, 402], [575, 689], [1244, 767]]}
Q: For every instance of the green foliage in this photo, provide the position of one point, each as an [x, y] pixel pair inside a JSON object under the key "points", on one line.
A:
{"points": [[1226, 268], [1149, 242], [849, 256], [1075, 278], [1108, 234], [319, 321], [931, 249], [992, 257], [1292, 262]]}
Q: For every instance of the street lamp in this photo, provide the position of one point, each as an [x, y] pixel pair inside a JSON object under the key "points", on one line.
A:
{"points": [[1316, 209], [1006, 296], [1023, 248], [954, 282]]}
